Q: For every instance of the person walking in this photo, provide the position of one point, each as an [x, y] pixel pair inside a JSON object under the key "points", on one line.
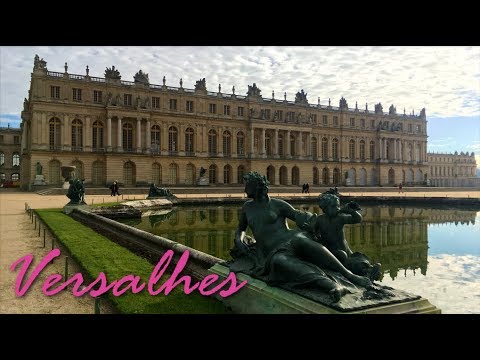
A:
{"points": [[400, 188]]}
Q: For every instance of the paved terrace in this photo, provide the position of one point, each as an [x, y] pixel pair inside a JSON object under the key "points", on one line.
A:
{"points": [[19, 238]]}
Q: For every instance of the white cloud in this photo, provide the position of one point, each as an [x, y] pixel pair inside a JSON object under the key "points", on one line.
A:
{"points": [[444, 80]]}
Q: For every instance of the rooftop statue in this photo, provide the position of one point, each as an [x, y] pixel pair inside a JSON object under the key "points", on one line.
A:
{"points": [[423, 114], [112, 73], [392, 110], [301, 98], [288, 258], [76, 192], [141, 77], [39, 64], [343, 103], [201, 85], [378, 108], [253, 90]]}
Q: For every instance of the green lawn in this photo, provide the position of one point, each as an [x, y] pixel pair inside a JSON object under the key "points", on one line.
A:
{"points": [[95, 253]]}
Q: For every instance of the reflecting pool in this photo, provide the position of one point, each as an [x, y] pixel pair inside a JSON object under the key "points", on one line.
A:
{"points": [[434, 253]]}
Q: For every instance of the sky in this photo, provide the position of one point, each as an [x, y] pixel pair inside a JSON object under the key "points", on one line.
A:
{"points": [[443, 79]]}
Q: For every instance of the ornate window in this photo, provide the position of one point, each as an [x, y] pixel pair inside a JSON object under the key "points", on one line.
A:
{"points": [[55, 134], [97, 135], [77, 135], [189, 145]]}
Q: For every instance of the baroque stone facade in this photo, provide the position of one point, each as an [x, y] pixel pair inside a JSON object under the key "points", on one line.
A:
{"points": [[9, 154], [453, 170], [137, 132]]}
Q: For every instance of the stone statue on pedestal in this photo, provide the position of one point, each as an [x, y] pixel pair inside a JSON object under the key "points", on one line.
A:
{"points": [[202, 180], [39, 178]]}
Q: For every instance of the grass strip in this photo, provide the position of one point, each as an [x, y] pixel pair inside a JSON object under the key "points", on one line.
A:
{"points": [[95, 253]]}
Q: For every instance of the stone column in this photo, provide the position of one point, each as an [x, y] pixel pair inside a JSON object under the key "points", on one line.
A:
{"points": [[44, 131], [414, 154], [67, 140], [275, 144], [252, 142], [109, 134], [205, 139], [289, 150], [262, 143], [87, 130], [139, 135], [220, 143], [119, 135], [394, 153], [234, 146], [164, 139], [148, 142], [298, 144]]}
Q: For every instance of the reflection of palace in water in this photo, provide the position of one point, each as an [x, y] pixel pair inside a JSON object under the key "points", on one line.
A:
{"points": [[394, 236]]}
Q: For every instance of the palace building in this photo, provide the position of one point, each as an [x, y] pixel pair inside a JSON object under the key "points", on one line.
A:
{"points": [[9, 154], [453, 170], [136, 133]]}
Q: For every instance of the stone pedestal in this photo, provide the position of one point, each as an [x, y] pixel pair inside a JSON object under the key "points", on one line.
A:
{"points": [[67, 209], [256, 297], [39, 180], [203, 181]]}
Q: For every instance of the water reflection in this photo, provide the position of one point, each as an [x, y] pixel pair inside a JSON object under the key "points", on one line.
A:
{"points": [[434, 253], [397, 237]]}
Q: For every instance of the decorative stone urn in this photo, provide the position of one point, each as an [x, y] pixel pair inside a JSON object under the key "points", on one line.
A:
{"points": [[68, 173]]}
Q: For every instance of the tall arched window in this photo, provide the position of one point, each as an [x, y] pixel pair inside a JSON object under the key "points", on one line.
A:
{"points": [[77, 135], [78, 169], [227, 143], [173, 174], [54, 175], [315, 176], [97, 135], [293, 151], [268, 144], [129, 174], [155, 139], [16, 159], [227, 174], [271, 175], [2, 158], [325, 176], [127, 137], [313, 147], [295, 176], [240, 173], [190, 174], [189, 145], [98, 173], [212, 142], [336, 176], [324, 148], [156, 173], [240, 144], [172, 140], [362, 149], [372, 150], [283, 175], [280, 145], [55, 134], [212, 174], [335, 149], [351, 149]]}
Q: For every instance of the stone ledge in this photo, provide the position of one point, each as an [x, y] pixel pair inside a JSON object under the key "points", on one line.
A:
{"points": [[256, 297]]}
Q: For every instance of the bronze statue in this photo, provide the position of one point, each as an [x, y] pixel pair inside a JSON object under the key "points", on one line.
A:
{"points": [[328, 230], [76, 192], [288, 258], [39, 168], [155, 192]]}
